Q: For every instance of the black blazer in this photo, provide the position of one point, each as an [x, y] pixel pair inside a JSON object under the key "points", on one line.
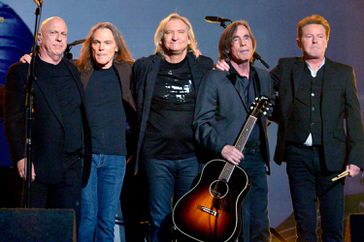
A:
{"points": [[221, 112], [145, 74], [342, 137], [48, 129]]}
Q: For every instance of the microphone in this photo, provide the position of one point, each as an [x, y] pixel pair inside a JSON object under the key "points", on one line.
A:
{"points": [[76, 42], [67, 52], [215, 19]]}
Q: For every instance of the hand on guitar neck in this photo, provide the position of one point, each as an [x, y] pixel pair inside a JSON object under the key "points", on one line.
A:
{"points": [[231, 154], [211, 210]]}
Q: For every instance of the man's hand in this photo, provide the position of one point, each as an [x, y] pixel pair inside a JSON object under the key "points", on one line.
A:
{"points": [[232, 154], [22, 169], [222, 65], [353, 170], [26, 58]]}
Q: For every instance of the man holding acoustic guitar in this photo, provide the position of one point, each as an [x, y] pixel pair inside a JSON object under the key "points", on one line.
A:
{"points": [[222, 108]]}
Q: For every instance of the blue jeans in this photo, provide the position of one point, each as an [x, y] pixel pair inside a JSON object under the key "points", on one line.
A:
{"points": [[168, 180], [310, 184], [255, 206], [100, 198]]}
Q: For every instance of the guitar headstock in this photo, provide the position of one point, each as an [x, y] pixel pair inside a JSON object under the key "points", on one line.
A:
{"points": [[261, 105]]}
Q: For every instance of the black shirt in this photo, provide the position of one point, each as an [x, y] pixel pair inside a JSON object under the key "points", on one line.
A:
{"points": [[105, 112], [169, 132], [69, 100]]}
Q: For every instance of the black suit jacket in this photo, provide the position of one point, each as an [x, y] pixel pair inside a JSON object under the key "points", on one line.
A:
{"points": [[145, 74], [342, 130], [48, 130], [221, 112]]}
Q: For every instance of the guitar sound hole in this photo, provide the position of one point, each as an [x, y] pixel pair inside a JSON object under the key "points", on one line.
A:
{"points": [[219, 189]]}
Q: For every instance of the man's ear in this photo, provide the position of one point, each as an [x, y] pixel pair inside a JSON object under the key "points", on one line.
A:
{"points": [[299, 44], [39, 37]]}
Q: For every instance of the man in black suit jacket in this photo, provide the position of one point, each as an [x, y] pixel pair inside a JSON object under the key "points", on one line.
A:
{"points": [[222, 108], [320, 130], [59, 121]]}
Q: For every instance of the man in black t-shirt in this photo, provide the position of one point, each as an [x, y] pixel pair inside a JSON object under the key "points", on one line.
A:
{"points": [[165, 88], [105, 67]]}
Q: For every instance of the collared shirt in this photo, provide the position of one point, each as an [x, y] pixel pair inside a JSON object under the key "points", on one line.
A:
{"points": [[314, 72]]}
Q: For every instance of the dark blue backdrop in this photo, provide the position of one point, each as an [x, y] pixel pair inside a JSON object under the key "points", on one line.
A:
{"points": [[15, 40]]}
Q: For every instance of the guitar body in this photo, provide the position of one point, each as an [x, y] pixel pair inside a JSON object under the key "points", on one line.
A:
{"points": [[211, 211]]}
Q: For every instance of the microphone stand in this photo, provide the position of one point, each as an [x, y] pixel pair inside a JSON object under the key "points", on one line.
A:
{"points": [[29, 111], [256, 56]]}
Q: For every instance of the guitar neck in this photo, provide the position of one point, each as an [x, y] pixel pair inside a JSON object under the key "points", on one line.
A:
{"points": [[245, 133], [240, 144], [259, 106]]}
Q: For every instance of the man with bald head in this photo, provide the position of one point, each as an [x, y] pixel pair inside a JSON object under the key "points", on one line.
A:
{"points": [[59, 122]]}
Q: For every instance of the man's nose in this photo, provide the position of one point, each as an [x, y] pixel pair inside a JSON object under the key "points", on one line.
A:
{"points": [[59, 37], [174, 36], [242, 42]]}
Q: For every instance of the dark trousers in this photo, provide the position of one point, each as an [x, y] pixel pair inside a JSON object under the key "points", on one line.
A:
{"points": [[255, 206], [168, 180], [310, 182], [66, 193]]}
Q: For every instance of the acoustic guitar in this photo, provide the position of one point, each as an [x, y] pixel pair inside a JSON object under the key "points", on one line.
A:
{"points": [[211, 210]]}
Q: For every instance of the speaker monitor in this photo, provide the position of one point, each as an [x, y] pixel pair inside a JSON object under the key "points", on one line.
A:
{"points": [[38, 225], [355, 228]]}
